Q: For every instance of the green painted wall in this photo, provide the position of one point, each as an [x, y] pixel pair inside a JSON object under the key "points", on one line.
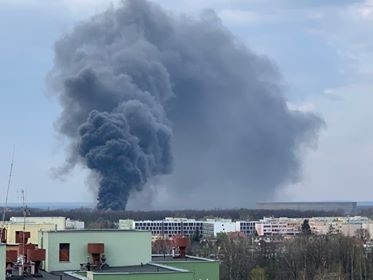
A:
{"points": [[122, 248], [141, 276], [202, 270], [2, 261]]}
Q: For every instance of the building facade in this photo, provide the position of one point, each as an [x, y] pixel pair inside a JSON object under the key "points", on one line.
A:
{"points": [[67, 250], [246, 227], [212, 227], [169, 227], [278, 226]]}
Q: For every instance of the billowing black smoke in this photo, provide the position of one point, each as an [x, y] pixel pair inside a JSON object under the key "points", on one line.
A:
{"points": [[145, 93]]}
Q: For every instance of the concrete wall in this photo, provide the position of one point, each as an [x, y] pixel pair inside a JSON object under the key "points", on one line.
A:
{"points": [[32, 228], [122, 248], [202, 270], [2, 261]]}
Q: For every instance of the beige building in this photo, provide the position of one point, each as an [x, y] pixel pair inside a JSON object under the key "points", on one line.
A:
{"points": [[59, 222], [36, 224], [350, 229], [13, 228]]}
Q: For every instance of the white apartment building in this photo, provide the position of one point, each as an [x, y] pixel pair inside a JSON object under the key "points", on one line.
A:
{"points": [[189, 227], [211, 227], [170, 226]]}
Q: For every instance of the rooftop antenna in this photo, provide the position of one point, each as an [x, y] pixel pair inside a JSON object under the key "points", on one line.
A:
{"points": [[7, 195]]}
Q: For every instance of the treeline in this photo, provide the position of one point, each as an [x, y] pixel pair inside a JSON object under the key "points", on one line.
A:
{"points": [[107, 219], [305, 257]]}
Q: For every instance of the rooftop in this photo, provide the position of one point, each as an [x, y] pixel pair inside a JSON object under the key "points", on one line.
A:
{"points": [[74, 275], [135, 268], [170, 258]]}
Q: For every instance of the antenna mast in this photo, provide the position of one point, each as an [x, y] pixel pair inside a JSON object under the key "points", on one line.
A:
{"points": [[7, 195]]}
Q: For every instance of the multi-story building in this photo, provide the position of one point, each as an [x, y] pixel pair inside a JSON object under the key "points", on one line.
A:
{"points": [[247, 227], [211, 227], [61, 223], [278, 226], [79, 254], [33, 225], [67, 249], [189, 227], [169, 227]]}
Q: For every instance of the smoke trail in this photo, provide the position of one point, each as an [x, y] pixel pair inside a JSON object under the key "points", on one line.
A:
{"points": [[140, 87]]}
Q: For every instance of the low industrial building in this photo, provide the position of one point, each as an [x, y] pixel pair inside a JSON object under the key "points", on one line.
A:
{"points": [[343, 207]]}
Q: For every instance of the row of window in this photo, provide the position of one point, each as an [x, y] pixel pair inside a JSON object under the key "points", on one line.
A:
{"points": [[167, 224], [165, 228]]}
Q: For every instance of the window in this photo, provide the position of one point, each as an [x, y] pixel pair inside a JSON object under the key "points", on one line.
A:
{"points": [[64, 252]]}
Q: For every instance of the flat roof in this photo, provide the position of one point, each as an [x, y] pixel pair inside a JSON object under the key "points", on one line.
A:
{"points": [[170, 258], [135, 268], [73, 275], [45, 275]]}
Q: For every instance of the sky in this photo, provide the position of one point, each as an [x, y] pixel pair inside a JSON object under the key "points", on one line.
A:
{"points": [[323, 50]]}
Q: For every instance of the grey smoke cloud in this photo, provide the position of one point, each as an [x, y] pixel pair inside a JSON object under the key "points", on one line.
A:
{"points": [[146, 93]]}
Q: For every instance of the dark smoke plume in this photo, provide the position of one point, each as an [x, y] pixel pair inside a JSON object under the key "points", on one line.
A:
{"points": [[145, 93]]}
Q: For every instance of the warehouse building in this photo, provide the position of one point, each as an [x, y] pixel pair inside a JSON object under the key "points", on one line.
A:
{"points": [[343, 207]]}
